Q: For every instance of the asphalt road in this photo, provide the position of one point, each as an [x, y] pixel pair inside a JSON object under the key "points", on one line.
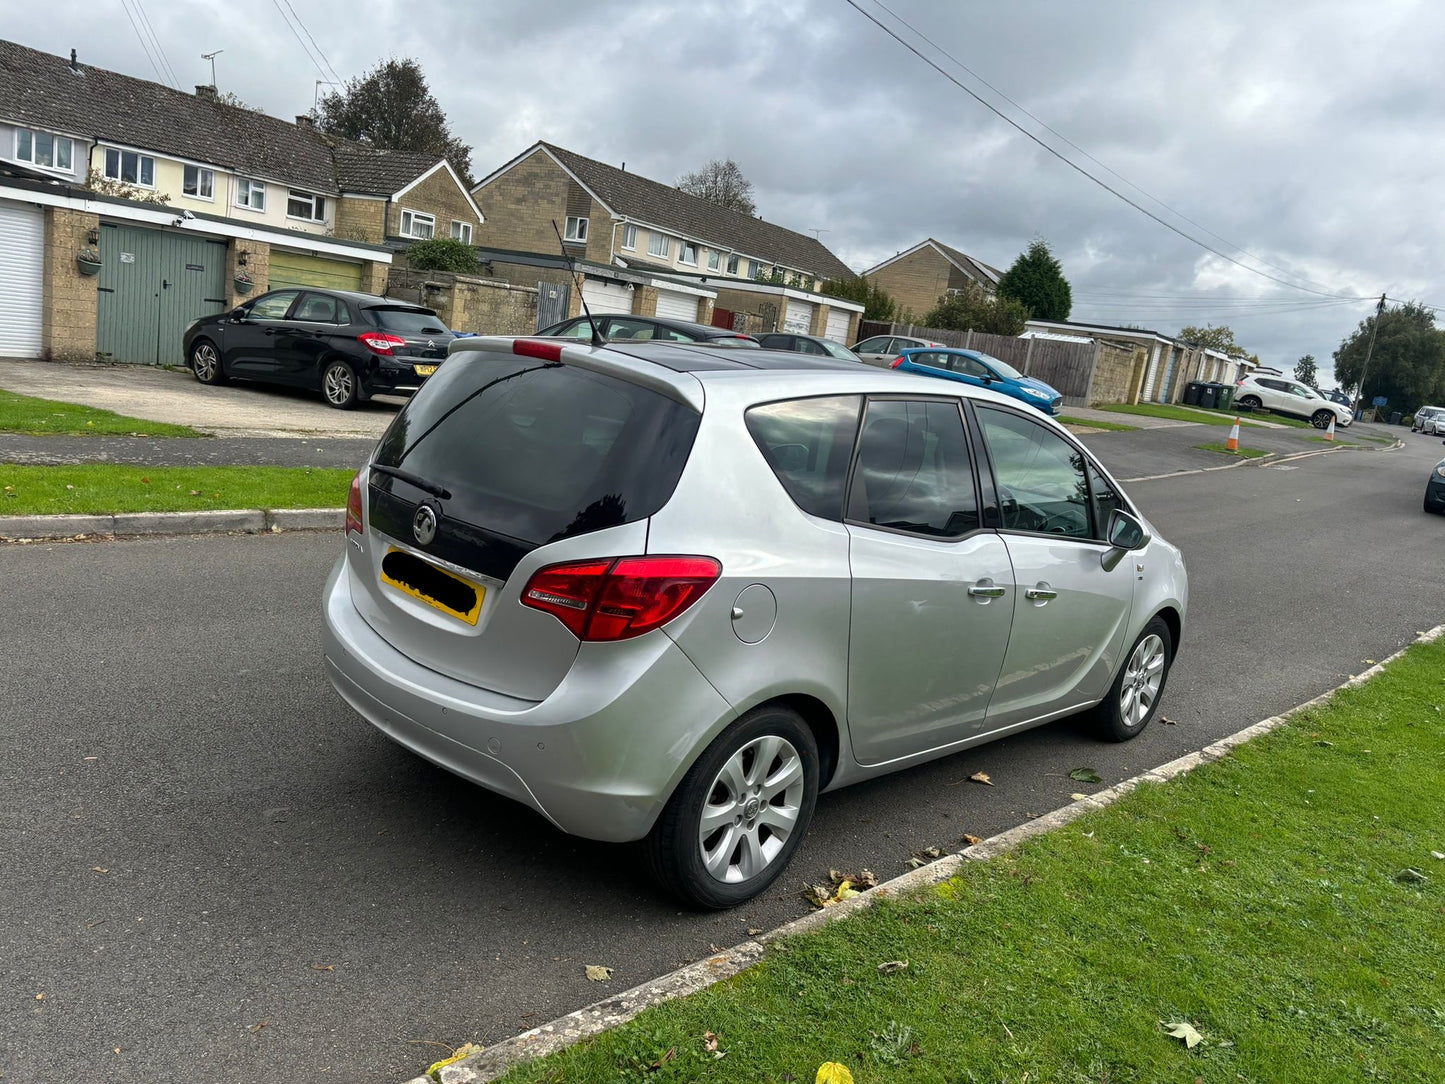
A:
{"points": [[212, 867]]}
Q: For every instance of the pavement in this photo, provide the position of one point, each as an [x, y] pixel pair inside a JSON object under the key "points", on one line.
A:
{"points": [[214, 866], [294, 451]]}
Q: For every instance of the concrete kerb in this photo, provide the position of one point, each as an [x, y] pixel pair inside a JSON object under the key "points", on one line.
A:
{"points": [[494, 1062], [124, 524]]}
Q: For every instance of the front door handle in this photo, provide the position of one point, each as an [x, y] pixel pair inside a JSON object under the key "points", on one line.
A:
{"points": [[1042, 593], [985, 590]]}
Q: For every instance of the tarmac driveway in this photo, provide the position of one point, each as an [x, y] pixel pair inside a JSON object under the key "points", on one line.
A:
{"points": [[165, 395]]}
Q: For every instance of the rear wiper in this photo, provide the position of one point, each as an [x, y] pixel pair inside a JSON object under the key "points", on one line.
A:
{"points": [[422, 484]]}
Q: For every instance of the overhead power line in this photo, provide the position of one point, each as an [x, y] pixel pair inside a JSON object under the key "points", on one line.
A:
{"points": [[1074, 165], [304, 47], [160, 50], [317, 47], [144, 44]]}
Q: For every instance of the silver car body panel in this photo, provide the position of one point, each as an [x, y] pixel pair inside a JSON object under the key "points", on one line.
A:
{"points": [[596, 736]]}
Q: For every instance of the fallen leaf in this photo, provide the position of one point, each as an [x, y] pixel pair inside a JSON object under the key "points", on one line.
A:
{"points": [[117, 1050], [323, 967], [99, 869], [195, 493], [147, 481], [892, 966], [864, 878], [1167, 721], [1085, 775], [972, 841], [977, 777], [753, 931], [660, 1062], [93, 925], [40, 996], [1370, 662], [830, 1072], [598, 974], [1184, 1031], [709, 1041], [68, 486], [257, 1027], [1325, 744], [1439, 856], [1411, 876], [463, 1051]]}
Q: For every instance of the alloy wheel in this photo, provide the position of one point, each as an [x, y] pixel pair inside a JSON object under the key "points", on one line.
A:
{"points": [[1142, 679], [205, 363], [338, 385], [751, 809]]}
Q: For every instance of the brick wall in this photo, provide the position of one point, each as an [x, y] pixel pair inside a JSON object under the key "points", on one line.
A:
{"points": [[644, 301], [69, 298], [258, 266], [1118, 373], [468, 303], [521, 204], [361, 220], [438, 195], [916, 282]]}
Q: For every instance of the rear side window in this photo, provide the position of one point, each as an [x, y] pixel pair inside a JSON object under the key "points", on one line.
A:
{"points": [[914, 471], [538, 451], [808, 443], [406, 321]]}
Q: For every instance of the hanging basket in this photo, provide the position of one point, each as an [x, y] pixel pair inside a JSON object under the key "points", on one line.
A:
{"points": [[243, 286], [88, 265]]}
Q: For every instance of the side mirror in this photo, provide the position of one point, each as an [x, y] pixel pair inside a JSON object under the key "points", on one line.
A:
{"points": [[1126, 534]]}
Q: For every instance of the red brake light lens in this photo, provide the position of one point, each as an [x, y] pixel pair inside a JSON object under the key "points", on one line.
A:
{"points": [[380, 342], [897, 362], [353, 506], [618, 599], [534, 348]]}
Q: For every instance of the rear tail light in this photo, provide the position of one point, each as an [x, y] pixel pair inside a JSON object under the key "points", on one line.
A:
{"points": [[619, 598], [380, 342], [897, 362], [353, 507], [532, 348]]}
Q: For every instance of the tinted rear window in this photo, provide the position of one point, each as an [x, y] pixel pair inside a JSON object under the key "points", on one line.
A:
{"points": [[538, 451], [407, 321], [808, 443]]}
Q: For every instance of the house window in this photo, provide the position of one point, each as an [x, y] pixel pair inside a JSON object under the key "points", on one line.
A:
{"points": [[732, 265], [43, 149], [306, 206], [714, 259], [629, 237], [576, 228], [462, 231], [250, 194], [659, 244], [130, 167], [688, 253], [416, 224], [199, 183]]}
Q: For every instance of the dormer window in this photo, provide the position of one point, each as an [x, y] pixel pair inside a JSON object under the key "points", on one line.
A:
{"points": [[43, 149]]}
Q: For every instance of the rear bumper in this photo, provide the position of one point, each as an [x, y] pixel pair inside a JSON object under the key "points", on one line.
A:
{"points": [[598, 758], [382, 380]]}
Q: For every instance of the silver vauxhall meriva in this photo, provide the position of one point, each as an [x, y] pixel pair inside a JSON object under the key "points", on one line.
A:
{"points": [[667, 593]]}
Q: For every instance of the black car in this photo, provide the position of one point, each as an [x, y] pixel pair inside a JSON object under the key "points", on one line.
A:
{"points": [[807, 344], [1435, 488], [616, 327], [348, 346]]}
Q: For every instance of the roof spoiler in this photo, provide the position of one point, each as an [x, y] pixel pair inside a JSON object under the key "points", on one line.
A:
{"points": [[680, 387]]}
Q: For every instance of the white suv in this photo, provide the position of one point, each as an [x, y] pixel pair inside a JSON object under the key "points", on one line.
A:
{"points": [[1284, 396], [1429, 419]]}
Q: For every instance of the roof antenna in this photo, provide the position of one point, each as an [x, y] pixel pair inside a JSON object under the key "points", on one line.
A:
{"points": [[597, 339]]}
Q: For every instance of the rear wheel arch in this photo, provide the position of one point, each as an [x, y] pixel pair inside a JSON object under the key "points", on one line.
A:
{"points": [[823, 724]]}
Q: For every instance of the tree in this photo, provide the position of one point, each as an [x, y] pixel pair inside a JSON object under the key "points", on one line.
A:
{"points": [[877, 305], [1219, 338], [231, 98], [1408, 363], [443, 254], [722, 183], [1304, 370], [975, 309], [1036, 280], [392, 108]]}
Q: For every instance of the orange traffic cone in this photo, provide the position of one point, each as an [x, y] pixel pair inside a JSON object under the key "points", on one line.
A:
{"points": [[1330, 432], [1232, 444]]}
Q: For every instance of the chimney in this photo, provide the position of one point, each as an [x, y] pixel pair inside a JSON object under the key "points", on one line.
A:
{"points": [[206, 92], [624, 167], [303, 120], [73, 65]]}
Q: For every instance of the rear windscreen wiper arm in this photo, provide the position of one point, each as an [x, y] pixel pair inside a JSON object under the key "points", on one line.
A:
{"points": [[421, 483]]}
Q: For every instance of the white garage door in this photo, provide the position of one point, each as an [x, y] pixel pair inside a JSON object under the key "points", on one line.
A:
{"points": [[799, 317], [677, 306], [838, 325], [606, 296], [22, 266]]}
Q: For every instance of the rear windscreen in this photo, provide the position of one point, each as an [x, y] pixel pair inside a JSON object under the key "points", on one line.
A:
{"points": [[408, 321], [537, 451]]}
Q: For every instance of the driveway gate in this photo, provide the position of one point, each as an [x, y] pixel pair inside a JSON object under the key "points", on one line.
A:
{"points": [[152, 284]]}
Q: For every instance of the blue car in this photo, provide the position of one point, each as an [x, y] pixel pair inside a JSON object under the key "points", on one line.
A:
{"points": [[982, 371]]}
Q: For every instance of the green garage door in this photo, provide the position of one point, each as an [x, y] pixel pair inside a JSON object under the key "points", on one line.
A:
{"points": [[151, 285], [298, 269]]}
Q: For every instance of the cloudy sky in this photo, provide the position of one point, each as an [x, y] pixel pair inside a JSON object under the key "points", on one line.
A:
{"points": [[1306, 140]]}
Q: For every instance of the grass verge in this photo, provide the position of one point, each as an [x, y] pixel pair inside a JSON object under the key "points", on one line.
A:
{"points": [[1242, 453], [1337, 440], [1175, 413], [100, 488], [1264, 899], [1094, 423], [27, 414]]}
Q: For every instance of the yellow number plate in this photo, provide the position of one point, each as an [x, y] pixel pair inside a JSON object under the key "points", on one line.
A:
{"points": [[434, 586], [424, 370]]}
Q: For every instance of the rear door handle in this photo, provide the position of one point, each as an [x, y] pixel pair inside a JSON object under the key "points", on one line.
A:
{"points": [[1042, 593], [985, 590]]}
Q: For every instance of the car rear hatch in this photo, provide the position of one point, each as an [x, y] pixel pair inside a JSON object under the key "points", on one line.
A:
{"points": [[411, 332], [501, 464]]}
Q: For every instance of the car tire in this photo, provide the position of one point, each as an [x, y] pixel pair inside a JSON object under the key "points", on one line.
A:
{"points": [[1250, 402], [739, 850], [206, 362], [339, 385], [1133, 698], [1321, 419]]}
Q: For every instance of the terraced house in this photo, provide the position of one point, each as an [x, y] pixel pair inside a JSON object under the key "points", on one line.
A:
{"points": [[187, 204], [651, 249]]}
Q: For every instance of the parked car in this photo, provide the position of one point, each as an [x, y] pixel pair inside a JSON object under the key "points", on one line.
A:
{"points": [[1428, 420], [1334, 395], [983, 371], [1435, 488], [661, 595], [1284, 396], [348, 346], [614, 327], [807, 344], [883, 350]]}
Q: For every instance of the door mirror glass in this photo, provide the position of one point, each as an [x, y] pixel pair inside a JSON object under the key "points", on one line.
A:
{"points": [[1126, 532]]}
